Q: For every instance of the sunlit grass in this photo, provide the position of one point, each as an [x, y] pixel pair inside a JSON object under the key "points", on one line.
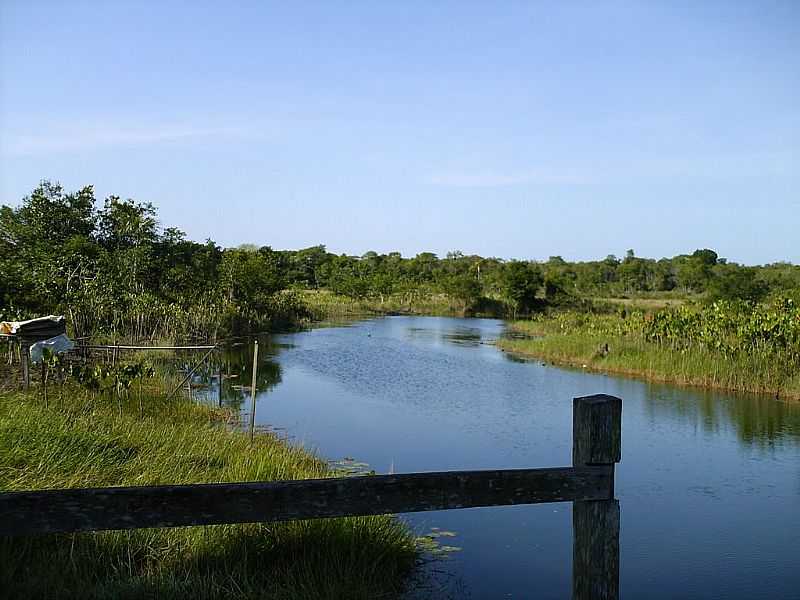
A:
{"points": [[633, 356], [85, 442]]}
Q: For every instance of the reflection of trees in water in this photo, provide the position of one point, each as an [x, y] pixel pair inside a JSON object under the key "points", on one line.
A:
{"points": [[759, 420], [461, 336], [236, 362]]}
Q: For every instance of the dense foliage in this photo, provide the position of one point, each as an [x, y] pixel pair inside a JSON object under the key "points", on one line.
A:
{"points": [[731, 344], [114, 269], [726, 327]]}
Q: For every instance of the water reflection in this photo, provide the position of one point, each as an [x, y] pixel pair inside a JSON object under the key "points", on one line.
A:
{"points": [[234, 362], [459, 336], [758, 420], [712, 477]]}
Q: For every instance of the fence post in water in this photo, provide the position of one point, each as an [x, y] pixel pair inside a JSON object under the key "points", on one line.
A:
{"points": [[253, 392], [596, 431], [219, 382]]}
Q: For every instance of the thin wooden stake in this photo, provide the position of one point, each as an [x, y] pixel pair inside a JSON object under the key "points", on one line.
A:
{"points": [[253, 393], [219, 382]]}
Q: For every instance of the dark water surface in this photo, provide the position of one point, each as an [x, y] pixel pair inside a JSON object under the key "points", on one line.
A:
{"points": [[709, 483]]}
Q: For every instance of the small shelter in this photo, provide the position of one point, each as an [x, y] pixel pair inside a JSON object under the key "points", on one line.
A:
{"points": [[34, 330]]}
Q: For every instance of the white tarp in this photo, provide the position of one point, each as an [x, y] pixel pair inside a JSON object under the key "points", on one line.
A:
{"points": [[56, 345]]}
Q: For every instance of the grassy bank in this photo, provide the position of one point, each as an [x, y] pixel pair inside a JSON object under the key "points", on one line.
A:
{"points": [[84, 442], [325, 305], [632, 355]]}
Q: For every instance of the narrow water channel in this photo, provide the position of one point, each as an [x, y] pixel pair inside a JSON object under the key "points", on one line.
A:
{"points": [[709, 483]]}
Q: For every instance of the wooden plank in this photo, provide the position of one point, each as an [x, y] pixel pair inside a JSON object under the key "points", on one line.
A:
{"points": [[595, 552], [51, 511], [596, 430]]}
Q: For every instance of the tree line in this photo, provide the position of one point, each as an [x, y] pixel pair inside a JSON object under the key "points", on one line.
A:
{"points": [[113, 268]]}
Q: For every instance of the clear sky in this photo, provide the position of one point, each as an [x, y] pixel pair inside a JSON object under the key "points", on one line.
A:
{"points": [[511, 129]]}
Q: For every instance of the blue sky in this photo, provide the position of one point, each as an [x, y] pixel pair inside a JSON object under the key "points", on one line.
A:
{"points": [[511, 129]]}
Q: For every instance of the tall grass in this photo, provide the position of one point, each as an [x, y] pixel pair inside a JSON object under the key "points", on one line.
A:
{"points": [[325, 305], [86, 442], [628, 353]]}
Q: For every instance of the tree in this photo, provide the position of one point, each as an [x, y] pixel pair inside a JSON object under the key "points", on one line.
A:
{"points": [[250, 278], [463, 287], [695, 271], [522, 282], [737, 283], [556, 289]]}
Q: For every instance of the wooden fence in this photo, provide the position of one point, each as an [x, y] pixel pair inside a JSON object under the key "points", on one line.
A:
{"points": [[588, 484]]}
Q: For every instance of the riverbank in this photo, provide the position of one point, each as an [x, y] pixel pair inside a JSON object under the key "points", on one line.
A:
{"points": [[633, 356], [324, 305], [78, 441]]}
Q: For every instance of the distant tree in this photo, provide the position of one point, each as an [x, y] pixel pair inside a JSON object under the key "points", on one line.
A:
{"points": [[250, 278], [463, 287], [522, 283], [734, 282], [706, 257], [694, 272], [557, 289]]}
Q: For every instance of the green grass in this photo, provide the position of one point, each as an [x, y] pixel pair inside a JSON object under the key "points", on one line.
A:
{"points": [[633, 356], [644, 304], [80, 442]]}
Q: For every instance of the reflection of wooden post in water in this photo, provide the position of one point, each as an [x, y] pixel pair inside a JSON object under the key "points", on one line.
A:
{"points": [[219, 381], [596, 431]]}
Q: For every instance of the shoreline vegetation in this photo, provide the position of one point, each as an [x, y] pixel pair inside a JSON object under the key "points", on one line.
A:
{"points": [[604, 344], [325, 305], [81, 439]]}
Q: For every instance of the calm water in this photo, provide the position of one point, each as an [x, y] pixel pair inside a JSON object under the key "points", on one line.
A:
{"points": [[709, 484]]}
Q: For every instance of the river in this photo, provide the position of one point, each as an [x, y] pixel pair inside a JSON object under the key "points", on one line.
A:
{"points": [[709, 483]]}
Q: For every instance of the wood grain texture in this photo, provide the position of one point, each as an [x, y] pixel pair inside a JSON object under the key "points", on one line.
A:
{"points": [[70, 510], [596, 430], [595, 553]]}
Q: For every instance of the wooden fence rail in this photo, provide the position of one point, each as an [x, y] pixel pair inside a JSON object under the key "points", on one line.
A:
{"points": [[588, 483]]}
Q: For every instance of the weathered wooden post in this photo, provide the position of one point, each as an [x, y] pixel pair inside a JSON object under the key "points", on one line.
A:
{"points": [[596, 435], [253, 392], [26, 364]]}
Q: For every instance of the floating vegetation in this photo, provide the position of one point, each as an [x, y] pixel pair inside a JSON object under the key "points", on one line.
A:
{"points": [[431, 545], [349, 467]]}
